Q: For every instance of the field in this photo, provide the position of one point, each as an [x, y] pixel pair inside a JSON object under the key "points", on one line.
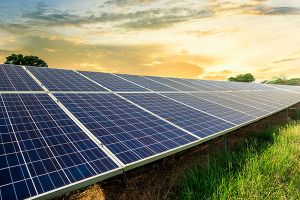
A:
{"points": [[266, 167]]}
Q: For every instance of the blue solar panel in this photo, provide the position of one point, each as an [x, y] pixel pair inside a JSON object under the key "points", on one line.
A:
{"points": [[63, 80], [129, 132], [254, 95], [207, 84], [233, 103], [15, 78], [259, 103], [15, 181], [112, 82], [285, 87], [42, 148], [197, 86], [279, 96], [218, 110], [197, 122], [173, 84], [147, 83]]}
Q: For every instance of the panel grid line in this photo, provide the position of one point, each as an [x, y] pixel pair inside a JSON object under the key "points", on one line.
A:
{"points": [[147, 110], [181, 102], [19, 145], [89, 134]]}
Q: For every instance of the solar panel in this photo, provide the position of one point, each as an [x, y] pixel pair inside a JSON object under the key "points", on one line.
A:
{"points": [[211, 84], [274, 98], [212, 108], [280, 96], [251, 86], [147, 83], [103, 124], [129, 132], [197, 122], [233, 103], [170, 83], [63, 80], [15, 78], [253, 101], [198, 86], [112, 82], [285, 87], [42, 148]]}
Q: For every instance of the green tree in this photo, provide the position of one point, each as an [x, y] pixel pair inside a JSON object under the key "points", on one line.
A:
{"points": [[19, 59], [283, 80], [243, 78], [279, 80]]}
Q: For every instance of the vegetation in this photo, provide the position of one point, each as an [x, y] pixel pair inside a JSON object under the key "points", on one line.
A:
{"points": [[283, 81], [266, 167], [19, 59], [243, 78]]}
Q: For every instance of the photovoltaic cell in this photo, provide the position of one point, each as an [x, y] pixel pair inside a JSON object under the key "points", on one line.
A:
{"points": [[233, 103], [40, 137], [195, 121], [197, 86], [286, 87], [279, 96], [269, 97], [129, 132], [254, 102], [226, 113], [15, 182], [205, 83], [171, 83], [63, 80], [147, 83], [251, 86], [15, 78], [112, 82]]}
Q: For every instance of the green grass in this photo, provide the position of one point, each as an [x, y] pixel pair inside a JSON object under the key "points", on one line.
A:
{"points": [[292, 81], [267, 166]]}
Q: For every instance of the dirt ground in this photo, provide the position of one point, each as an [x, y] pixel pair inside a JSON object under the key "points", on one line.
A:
{"points": [[157, 180]]}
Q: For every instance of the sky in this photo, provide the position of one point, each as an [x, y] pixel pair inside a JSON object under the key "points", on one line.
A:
{"points": [[206, 39]]}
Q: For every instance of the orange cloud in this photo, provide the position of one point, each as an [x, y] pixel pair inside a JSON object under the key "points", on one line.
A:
{"points": [[175, 69], [221, 75]]}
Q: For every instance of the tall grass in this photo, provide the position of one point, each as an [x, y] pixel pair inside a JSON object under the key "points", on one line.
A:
{"points": [[267, 166]]}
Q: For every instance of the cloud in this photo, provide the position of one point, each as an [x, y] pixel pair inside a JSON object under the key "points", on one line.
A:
{"points": [[50, 50], [219, 75], [128, 59], [122, 3], [266, 69], [251, 8], [14, 28], [5, 52], [175, 69], [141, 19], [286, 60]]}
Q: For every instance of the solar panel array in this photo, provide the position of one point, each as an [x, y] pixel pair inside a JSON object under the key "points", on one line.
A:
{"points": [[64, 129]]}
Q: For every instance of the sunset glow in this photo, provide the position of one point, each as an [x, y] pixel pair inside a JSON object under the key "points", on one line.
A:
{"points": [[211, 39]]}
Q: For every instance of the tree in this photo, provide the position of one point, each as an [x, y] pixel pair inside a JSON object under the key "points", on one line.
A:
{"points": [[243, 78], [19, 59], [282, 79]]}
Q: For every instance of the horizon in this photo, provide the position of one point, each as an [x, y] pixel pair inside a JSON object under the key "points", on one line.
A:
{"points": [[210, 40]]}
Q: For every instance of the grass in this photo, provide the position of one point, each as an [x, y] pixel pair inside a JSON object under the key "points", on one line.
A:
{"points": [[267, 166], [284, 81]]}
